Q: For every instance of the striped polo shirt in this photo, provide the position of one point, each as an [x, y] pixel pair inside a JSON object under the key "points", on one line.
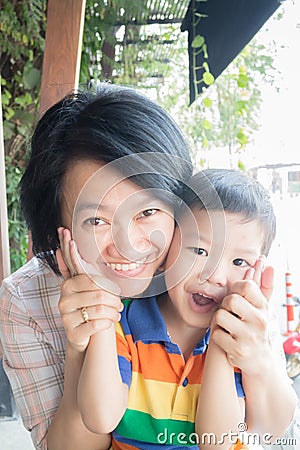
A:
{"points": [[163, 387]]}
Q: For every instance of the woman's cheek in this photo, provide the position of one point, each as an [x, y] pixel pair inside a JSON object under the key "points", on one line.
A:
{"points": [[87, 247]]}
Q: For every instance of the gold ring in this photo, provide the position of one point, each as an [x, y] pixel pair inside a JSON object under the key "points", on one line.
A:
{"points": [[84, 314]]}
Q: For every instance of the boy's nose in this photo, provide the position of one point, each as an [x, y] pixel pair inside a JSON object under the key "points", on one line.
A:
{"points": [[214, 273]]}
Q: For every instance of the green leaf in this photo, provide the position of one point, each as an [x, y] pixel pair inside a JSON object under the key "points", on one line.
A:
{"points": [[242, 138], [205, 66], [31, 77], [207, 102], [205, 142], [242, 81], [198, 41], [208, 78], [241, 166], [240, 105], [207, 125], [9, 113], [8, 130], [24, 100], [204, 49], [200, 15]]}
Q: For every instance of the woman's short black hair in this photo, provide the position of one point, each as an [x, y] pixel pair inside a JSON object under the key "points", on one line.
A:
{"points": [[233, 191], [105, 124]]}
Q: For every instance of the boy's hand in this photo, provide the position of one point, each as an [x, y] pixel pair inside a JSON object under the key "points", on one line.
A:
{"points": [[85, 307], [241, 326]]}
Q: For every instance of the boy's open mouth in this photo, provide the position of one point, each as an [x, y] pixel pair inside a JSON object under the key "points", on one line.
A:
{"points": [[201, 299]]}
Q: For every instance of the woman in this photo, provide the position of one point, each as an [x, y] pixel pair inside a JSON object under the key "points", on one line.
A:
{"points": [[44, 345]]}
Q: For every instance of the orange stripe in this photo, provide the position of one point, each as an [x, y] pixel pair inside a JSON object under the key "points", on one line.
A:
{"points": [[116, 446], [238, 446], [154, 363]]}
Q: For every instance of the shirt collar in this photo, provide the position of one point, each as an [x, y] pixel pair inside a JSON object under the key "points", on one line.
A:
{"points": [[147, 324]]}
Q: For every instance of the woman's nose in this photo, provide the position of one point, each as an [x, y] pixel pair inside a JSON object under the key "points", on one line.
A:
{"points": [[131, 243]]}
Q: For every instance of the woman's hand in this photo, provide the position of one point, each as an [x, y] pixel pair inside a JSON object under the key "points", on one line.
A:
{"points": [[85, 307]]}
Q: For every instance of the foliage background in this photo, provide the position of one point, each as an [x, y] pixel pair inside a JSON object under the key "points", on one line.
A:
{"points": [[153, 59]]}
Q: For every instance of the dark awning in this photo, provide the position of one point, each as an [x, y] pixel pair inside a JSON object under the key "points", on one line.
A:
{"points": [[226, 26]]}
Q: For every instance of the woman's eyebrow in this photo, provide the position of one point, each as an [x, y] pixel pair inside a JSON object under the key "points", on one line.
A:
{"points": [[87, 206]]}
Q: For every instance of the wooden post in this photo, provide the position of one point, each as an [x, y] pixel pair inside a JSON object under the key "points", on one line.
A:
{"points": [[60, 74], [4, 242], [61, 64]]}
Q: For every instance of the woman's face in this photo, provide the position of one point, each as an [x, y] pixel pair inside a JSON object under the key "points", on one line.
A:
{"points": [[122, 231]]}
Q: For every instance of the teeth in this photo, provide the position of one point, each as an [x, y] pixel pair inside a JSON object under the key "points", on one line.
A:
{"points": [[125, 267]]}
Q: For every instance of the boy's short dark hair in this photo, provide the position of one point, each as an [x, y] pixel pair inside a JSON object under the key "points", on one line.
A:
{"points": [[102, 125], [235, 192]]}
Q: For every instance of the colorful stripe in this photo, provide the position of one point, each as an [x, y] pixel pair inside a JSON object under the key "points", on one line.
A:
{"points": [[141, 426], [164, 388]]}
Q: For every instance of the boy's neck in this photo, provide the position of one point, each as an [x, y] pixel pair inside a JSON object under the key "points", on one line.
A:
{"points": [[180, 333]]}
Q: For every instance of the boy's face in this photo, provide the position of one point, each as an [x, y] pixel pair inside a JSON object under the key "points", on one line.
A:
{"points": [[123, 232], [203, 264]]}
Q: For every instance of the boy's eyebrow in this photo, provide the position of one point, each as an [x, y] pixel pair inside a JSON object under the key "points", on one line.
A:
{"points": [[249, 251]]}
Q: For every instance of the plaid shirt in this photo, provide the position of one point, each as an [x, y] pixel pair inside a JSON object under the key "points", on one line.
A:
{"points": [[33, 340]]}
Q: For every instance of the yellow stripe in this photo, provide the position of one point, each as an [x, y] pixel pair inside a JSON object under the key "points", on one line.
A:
{"points": [[163, 400], [119, 329]]}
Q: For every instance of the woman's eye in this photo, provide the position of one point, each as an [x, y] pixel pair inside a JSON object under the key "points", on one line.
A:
{"points": [[200, 251], [147, 213], [240, 262], [95, 221]]}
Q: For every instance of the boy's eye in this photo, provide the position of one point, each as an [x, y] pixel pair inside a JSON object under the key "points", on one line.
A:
{"points": [[240, 262], [200, 251], [95, 221], [147, 213]]}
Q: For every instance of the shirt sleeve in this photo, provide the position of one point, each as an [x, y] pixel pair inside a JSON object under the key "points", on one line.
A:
{"points": [[238, 384], [124, 356], [34, 368]]}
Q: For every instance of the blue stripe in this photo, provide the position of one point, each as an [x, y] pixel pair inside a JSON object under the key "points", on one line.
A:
{"points": [[238, 384], [148, 446], [125, 369]]}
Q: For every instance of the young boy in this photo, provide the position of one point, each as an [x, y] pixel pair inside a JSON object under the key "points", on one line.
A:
{"points": [[145, 387]]}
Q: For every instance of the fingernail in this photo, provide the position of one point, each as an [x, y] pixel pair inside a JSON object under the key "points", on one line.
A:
{"points": [[262, 258], [250, 274], [74, 245]]}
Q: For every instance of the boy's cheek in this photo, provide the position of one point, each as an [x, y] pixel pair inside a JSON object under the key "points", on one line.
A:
{"points": [[180, 269]]}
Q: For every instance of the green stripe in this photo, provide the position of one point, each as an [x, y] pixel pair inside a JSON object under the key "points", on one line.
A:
{"points": [[126, 301], [143, 427]]}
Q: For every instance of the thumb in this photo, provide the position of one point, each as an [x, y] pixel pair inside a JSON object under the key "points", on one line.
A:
{"points": [[267, 282], [62, 266]]}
